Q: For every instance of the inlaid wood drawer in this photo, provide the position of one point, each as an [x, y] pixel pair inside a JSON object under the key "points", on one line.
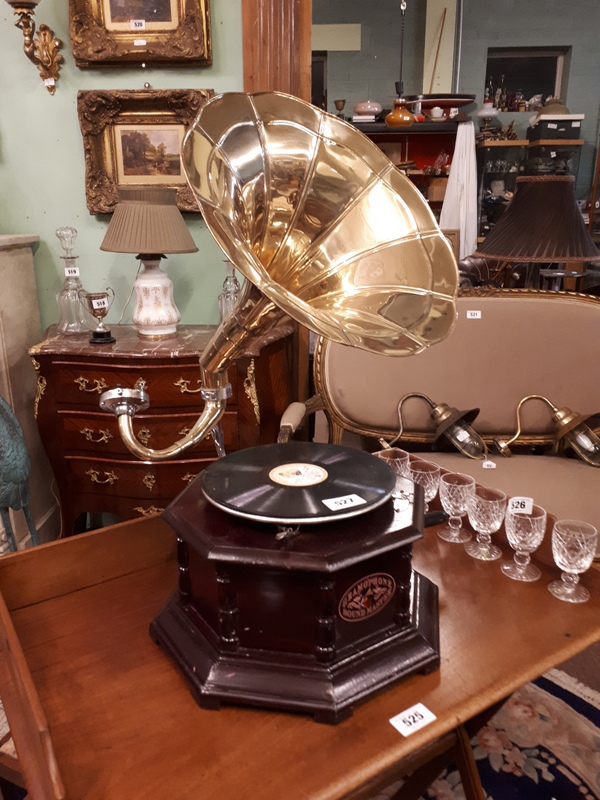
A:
{"points": [[95, 473], [134, 479], [167, 385], [98, 434]]}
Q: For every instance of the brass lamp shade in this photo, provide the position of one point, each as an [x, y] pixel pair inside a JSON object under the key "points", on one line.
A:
{"points": [[147, 220], [542, 223]]}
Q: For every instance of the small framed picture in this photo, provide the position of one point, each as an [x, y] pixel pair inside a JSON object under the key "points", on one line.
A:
{"points": [[149, 154], [453, 237], [121, 32], [135, 138]]}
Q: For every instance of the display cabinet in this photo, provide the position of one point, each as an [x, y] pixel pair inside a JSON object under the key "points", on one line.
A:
{"points": [[499, 164], [94, 471], [554, 157], [416, 150]]}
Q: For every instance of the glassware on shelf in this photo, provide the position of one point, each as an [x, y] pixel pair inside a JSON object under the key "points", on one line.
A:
{"points": [[486, 509], [339, 106], [525, 532], [72, 318], [427, 475], [573, 549], [455, 490], [229, 295]]}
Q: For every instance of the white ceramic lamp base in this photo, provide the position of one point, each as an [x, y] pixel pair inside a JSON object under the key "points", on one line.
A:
{"points": [[155, 314]]}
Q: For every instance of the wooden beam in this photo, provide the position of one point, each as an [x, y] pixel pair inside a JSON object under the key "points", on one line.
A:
{"points": [[277, 46]]}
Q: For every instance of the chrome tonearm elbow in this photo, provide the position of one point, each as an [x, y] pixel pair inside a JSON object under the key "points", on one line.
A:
{"points": [[125, 403]]}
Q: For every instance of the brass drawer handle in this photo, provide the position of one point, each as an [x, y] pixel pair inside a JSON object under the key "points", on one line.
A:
{"points": [[146, 512], [183, 385], [149, 480], [103, 436], [189, 477], [99, 385], [144, 435], [94, 474], [185, 430]]}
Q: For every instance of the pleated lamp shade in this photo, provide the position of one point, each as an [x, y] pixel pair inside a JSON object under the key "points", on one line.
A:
{"points": [[147, 221], [542, 223]]}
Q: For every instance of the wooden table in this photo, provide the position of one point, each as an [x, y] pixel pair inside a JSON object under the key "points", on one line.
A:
{"points": [[122, 722]]}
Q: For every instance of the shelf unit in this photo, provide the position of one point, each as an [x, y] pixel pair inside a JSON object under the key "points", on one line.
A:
{"points": [[499, 164], [501, 161], [421, 143]]}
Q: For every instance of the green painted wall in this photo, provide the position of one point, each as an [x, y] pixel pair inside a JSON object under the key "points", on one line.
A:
{"points": [[42, 183]]}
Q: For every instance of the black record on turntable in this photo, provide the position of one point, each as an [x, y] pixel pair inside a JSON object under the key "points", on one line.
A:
{"points": [[298, 482]]}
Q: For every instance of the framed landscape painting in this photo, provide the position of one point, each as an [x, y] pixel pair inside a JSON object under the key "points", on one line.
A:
{"points": [[135, 138], [121, 32]]}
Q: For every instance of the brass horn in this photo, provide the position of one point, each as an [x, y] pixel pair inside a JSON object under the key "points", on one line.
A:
{"points": [[324, 228]]}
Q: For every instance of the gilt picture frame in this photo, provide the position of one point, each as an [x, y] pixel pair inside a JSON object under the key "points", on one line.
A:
{"points": [[157, 32], [134, 138]]}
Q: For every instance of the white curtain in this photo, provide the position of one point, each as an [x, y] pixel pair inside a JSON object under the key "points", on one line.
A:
{"points": [[459, 209]]}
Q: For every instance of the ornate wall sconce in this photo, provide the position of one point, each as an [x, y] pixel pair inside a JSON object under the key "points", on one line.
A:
{"points": [[572, 431], [44, 49], [453, 424]]}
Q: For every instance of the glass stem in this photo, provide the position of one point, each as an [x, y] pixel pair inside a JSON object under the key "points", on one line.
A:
{"points": [[570, 580], [455, 522], [522, 559]]}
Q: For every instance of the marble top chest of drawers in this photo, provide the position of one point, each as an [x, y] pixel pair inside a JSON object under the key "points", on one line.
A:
{"points": [[94, 471]]}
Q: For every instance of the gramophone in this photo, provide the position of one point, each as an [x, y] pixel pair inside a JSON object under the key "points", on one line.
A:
{"points": [[296, 589]]}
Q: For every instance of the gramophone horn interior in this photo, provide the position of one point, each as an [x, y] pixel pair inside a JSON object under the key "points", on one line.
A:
{"points": [[310, 211]]}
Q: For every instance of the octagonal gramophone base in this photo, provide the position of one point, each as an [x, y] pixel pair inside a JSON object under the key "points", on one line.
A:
{"points": [[314, 624]]}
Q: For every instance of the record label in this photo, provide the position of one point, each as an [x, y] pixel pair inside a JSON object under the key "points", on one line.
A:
{"points": [[298, 482], [298, 474]]}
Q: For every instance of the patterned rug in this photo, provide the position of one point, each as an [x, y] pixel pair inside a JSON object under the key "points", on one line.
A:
{"points": [[543, 744]]}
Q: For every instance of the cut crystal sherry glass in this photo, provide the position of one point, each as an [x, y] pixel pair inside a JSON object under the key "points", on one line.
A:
{"points": [[486, 509], [427, 474], [455, 489], [573, 548], [524, 533]]}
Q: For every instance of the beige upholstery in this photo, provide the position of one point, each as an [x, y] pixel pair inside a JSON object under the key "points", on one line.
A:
{"points": [[523, 343]]}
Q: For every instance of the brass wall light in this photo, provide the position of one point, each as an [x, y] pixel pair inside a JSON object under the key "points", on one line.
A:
{"points": [[451, 423], [572, 431], [43, 51]]}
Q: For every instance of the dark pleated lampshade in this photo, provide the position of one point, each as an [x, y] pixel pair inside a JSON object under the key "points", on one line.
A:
{"points": [[147, 221], [542, 223]]}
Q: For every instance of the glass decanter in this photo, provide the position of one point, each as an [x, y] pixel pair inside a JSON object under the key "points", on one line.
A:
{"points": [[229, 295], [72, 317]]}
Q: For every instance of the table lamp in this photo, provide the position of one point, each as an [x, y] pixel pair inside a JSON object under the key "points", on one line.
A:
{"points": [[542, 224], [147, 221]]}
